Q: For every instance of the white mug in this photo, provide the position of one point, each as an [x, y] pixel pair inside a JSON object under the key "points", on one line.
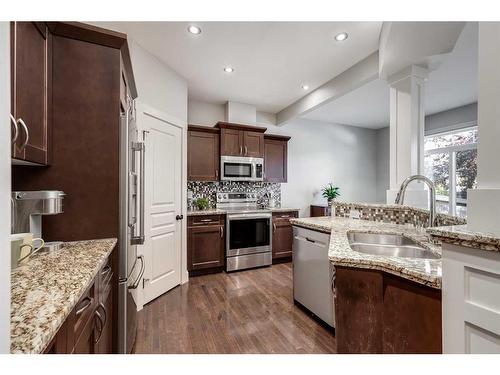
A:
{"points": [[22, 247]]}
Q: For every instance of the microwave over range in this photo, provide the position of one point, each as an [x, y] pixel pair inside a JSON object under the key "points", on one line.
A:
{"points": [[241, 168]]}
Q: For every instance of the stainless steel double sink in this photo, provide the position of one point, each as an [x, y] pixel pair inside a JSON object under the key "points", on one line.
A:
{"points": [[393, 245]]}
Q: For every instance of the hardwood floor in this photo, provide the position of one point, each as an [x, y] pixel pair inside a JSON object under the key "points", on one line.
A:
{"points": [[244, 312]]}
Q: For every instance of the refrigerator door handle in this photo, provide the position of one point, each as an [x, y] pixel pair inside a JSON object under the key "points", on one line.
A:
{"points": [[141, 273], [141, 147]]}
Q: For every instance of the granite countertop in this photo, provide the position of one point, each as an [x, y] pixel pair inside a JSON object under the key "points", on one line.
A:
{"points": [[461, 236], [424, 271], [215, 211], [47, 287]]}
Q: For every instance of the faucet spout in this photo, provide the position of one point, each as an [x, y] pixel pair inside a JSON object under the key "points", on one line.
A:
{"points": [[432, 195]]}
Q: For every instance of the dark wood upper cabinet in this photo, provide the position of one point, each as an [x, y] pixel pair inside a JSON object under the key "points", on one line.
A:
{"points": [[241, 140], [205, 242], [31, 66], [231, 142], [203, 153], [275, 158], [283, 234], [253, 144]]}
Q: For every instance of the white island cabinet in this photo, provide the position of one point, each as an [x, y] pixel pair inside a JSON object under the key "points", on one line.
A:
{"points": [[471, 300]]}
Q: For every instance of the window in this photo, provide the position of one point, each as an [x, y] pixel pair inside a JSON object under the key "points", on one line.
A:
{"points": [[451, 162]]}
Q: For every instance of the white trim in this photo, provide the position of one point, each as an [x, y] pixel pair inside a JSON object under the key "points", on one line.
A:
{"points": [[449, 149]]}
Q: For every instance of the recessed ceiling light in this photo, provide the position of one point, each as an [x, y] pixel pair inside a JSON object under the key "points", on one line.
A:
{"points": [[194, 29], [305, 87], [340, 37], [228, 69]]}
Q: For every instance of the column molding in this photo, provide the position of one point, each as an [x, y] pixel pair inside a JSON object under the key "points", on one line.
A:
{"points": [[407, 119]]}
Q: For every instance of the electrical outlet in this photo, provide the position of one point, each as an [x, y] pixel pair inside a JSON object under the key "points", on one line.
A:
{"points": [[354, 214]]}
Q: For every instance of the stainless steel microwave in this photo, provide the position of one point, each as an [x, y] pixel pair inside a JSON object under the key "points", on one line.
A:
{"points": [[240, 168]]}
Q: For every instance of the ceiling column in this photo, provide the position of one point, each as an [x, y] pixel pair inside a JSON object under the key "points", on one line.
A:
{"points": [[407, 118], [483, 203]]}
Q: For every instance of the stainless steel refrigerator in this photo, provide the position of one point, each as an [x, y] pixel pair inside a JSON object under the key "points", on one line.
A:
{"points": [[130, 265]]}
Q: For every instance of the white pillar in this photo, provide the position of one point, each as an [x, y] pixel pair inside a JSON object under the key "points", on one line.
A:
{"points": [[407, 118], [483, 204]]}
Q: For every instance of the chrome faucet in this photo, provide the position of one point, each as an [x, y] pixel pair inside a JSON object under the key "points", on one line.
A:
{"points": [[432, 192]]}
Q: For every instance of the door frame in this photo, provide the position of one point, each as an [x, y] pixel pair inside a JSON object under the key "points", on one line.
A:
{"points": [[142, 110]]}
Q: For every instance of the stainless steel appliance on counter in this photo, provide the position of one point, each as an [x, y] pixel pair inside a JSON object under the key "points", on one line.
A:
{"points": [[248, 228], [241, 168], [28, 207], [130, 266], [313, 274]]}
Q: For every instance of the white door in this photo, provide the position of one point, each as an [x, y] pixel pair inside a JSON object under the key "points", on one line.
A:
{"points": [[162, 250]]}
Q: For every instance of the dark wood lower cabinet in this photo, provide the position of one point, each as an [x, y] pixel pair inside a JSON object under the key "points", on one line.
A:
{"points": [[380, 313], [318, 210], [206, 244], [88, 329], [282, 236]]}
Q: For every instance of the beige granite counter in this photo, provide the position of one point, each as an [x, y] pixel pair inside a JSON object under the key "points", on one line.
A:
{"points": [[461, 236], [215, 211], [423, 271], [47, 287]]}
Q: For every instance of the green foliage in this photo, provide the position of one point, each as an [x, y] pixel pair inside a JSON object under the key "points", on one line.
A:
{"points": [[202, 203], [330, 192]]}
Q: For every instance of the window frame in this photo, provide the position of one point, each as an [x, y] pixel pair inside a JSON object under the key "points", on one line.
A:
{"points": [[452, 164]]}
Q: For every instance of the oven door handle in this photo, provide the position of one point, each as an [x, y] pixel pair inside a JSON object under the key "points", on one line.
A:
{"points": [[249, 216]]}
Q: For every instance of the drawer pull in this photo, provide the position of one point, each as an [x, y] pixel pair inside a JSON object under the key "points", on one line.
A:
{"points": [[87, 302], [285, 215], [101, 321], [206, 220], [309, 240], [106, 270]]}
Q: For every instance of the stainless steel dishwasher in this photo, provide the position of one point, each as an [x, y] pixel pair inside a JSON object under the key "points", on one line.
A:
{"points": [[312, 273]]}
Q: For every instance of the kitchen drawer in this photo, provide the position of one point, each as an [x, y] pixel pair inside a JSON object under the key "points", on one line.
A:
{"points": [[205, 220], [83, 311], [285, 215]]}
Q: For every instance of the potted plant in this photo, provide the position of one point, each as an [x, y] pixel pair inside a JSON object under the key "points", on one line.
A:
{"points": [[202, 203], [330, 192]]}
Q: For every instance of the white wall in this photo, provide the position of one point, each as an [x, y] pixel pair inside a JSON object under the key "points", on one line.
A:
{"points": [[4, 188], [318, 153], [158, 85]]}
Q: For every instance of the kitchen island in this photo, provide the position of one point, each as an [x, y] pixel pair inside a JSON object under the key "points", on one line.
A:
{"points": [[381, 303], [47, 287]]}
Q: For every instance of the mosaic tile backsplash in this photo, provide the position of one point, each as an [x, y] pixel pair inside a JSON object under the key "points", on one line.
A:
{"points": [[209, 190], [395, 214]]}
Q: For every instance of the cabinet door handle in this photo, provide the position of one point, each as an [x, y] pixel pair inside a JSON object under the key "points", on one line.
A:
{"points": [[246, 150], [216, 174], [86, 305], [25, 128], [241, 150], [101, 305], [101, 321], [105, 270], [221, 232], [16, 129], [274, 227]]}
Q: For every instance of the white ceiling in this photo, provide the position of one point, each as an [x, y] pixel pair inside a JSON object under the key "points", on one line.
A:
{"points": [[272, 60], [452, 85]]}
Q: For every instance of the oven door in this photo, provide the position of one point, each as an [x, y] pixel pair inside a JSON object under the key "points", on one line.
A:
{"points": [[248, 234]]}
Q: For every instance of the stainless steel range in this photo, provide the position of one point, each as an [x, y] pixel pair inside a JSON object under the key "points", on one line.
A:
{"points": [[249, 234]]}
